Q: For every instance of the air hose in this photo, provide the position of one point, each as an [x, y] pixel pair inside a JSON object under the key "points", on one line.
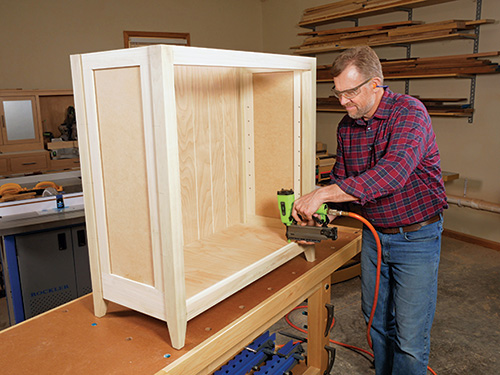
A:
{"points": [[379, 261], [377, 283]]}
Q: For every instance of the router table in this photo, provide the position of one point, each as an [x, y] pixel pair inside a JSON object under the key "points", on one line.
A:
{"points": [[71, 340]]}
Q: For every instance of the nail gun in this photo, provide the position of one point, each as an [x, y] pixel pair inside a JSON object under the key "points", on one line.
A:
{"points": [[308, 233]]}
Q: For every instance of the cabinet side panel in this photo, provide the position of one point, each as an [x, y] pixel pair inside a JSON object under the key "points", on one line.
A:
{"points": [[273, 138], [119, 105]]}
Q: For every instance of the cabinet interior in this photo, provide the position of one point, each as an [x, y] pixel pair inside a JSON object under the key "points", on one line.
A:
{"points": [[236, 148]]}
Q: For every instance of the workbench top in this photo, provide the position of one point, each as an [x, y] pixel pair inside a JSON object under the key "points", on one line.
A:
{"points": [[34, 222], [71, 340]]}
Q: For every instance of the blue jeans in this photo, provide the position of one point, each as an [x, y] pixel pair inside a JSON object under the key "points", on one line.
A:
{"points": [[407, 297]]}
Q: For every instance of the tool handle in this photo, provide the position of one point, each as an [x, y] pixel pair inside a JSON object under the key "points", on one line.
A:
{"points": [[329, 308], [331, 359]]}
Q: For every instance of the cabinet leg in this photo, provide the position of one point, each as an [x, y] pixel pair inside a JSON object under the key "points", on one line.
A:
{"points": [[100, 305], [310, 253], [177, 330]]}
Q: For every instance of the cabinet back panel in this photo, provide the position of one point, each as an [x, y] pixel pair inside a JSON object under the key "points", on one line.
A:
{"points": [[273, 138], [207, 104], [124, 168]]}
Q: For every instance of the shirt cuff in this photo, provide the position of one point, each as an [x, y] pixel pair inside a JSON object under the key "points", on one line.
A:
{"points": [[350, 186]]}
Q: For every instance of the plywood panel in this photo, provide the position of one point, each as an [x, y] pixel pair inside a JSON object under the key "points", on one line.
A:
{"points": [[207, 116], [231, 104], [203, 161], [187, 152], [217, 148], [273, 138], [119, 105], [227, 252]]}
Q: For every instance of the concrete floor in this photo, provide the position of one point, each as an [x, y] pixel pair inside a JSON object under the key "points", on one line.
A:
{"points": [[465, 337], [466, 331]]}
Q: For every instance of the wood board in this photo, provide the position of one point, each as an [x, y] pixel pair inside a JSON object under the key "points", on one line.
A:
{"points": [[440, 107], [438, 66], [343, 9], [388, 34]]}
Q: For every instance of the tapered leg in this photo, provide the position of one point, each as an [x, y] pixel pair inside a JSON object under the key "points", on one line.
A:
{"points": [[310, 253]]}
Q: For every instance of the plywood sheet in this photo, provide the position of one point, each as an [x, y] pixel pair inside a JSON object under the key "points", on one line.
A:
{"points": [[207, 104], [119, 104], [273, 138], [227, 252]]}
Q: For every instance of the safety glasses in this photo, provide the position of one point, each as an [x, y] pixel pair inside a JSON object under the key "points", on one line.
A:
{"points": [[349, 93]]}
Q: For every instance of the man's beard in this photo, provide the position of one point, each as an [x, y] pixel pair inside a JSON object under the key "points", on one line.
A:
{"points": [[362, 111]]}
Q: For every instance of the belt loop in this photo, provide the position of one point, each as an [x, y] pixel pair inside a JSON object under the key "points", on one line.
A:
{"points": [[401, 231]]}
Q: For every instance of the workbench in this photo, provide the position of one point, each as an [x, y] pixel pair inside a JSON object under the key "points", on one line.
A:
{"points": [[32, 257], [71, 340]]}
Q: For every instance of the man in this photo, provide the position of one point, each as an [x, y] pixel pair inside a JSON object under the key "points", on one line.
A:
{"points": [[388, 163]]}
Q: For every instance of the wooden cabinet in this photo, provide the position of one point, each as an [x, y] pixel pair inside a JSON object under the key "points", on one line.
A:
{"points": [[21, 128], [183, 150], [25, 116], [64, 164], [24, 162], [3, 166], [29, 162]]}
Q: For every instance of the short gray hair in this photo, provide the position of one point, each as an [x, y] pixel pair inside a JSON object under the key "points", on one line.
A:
{"points": [[363, 58]]}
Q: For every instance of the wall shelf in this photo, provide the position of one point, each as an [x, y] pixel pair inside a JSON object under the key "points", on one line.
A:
{"points": [[398, 34], [346, 9], [432, 113]]}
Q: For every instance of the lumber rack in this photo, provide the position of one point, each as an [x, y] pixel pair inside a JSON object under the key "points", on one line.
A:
{"points": [[316, 16], [348, 10]]}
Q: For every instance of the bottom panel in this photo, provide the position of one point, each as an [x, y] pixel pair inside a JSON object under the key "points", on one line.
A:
{"points": [[215, 268], [226, 262]]}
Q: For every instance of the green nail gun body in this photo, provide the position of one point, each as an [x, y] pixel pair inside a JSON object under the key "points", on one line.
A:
{"points": [[308, 233]]}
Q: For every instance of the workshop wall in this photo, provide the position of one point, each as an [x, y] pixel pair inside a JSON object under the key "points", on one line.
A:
{"points": [[39, 36], [472, 150]]}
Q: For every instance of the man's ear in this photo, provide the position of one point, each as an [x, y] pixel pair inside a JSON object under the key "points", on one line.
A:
{"points": [[376, 82]]}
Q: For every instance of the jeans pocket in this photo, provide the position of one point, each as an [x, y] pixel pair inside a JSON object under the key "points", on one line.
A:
{"points": [[428, 233]]}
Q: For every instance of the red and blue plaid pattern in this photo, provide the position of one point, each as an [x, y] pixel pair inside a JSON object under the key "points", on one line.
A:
{"points": [[391, 163]]}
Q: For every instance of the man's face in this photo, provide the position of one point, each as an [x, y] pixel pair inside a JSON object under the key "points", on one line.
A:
{"points": [[359, 102]]}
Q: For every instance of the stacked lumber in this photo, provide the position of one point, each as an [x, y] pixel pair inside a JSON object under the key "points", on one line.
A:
{"points": [[435, 106], [321, 148], [339, 10], [428, 67], [324, 163], [386, 34], [442, 106], [330, 104]]}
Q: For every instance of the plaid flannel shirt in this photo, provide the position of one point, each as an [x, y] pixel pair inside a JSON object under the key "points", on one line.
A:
{"points": [[391, 163]]}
